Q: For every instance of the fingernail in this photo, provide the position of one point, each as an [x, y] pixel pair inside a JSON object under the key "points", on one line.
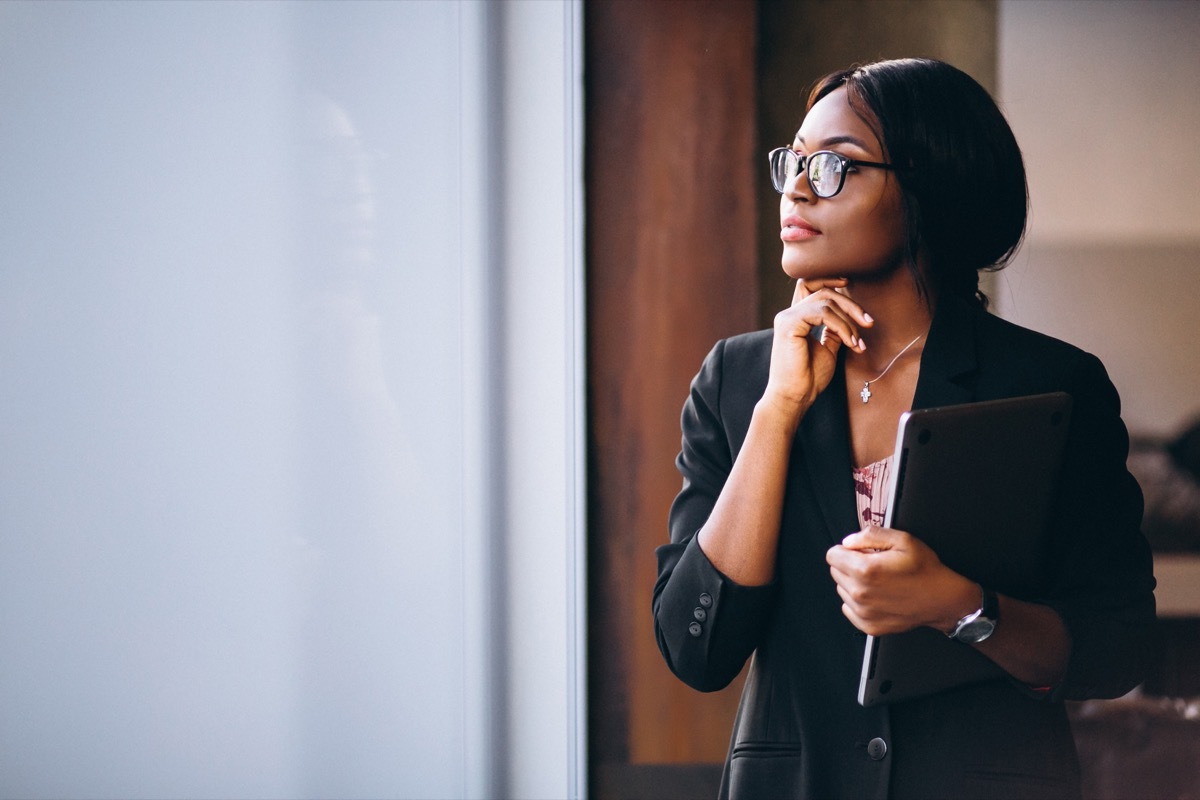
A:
{"points": [[868, 317]]}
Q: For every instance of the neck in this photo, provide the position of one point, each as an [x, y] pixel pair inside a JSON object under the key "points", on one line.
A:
{"points": [[901, 314]]}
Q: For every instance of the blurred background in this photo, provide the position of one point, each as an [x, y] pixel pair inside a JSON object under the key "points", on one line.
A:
{"points": [[327, 469], [289, 399]]}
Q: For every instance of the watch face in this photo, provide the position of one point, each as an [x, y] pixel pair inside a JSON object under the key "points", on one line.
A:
{"points": [[976, 630]]}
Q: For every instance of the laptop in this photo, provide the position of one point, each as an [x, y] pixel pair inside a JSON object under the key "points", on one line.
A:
{"points": [[976, 482]]}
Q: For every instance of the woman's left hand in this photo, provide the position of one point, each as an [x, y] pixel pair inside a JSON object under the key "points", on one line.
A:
{"points": [[891, 582]]}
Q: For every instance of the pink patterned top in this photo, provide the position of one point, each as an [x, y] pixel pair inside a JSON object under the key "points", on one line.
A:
{"points": [[871, 491]]}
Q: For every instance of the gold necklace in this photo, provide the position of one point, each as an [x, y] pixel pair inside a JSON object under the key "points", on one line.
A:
{"points": [[865, 394]]}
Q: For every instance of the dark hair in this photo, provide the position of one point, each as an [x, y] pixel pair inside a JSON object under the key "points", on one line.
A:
{"points": [[960, 170]]}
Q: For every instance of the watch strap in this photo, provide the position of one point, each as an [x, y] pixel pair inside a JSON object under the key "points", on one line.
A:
{"points": [[990, 604]]}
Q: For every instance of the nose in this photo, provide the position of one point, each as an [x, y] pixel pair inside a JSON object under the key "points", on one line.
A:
{"points": [[797, 189]]}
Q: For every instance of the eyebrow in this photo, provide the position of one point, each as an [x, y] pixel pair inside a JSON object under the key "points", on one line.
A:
{"points": [[854, 140]]}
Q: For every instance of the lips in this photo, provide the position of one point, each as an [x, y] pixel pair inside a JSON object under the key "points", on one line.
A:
{"points": [[795, 229]]}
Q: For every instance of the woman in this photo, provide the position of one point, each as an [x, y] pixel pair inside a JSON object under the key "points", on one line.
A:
{"points": [[775, 545]]}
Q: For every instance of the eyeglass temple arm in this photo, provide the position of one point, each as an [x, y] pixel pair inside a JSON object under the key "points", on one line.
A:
{"points": [[855, 162]]}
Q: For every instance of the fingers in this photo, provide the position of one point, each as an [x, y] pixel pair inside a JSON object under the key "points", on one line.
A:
{"points": [[867, 607], [806, 287], [823, 303], [870, 554], [808, 335], [870, 620], [866, 581], [889, 581]]}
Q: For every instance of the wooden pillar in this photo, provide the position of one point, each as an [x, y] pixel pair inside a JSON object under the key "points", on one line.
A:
{"points": [[671, 267]]}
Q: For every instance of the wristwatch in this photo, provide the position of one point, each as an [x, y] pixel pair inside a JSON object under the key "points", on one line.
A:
{"points": [[979, 625]]}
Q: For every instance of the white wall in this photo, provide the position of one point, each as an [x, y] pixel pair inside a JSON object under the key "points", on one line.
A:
{"points": [[290, 400], [1103, 99]]}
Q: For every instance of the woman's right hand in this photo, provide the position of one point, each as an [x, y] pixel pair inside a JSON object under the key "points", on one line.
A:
{"points": [[802, 365], [741, 535]]}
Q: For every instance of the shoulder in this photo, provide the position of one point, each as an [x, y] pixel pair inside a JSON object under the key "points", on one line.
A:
{"points": [[737, 359], [1032, 357], [731, 380], [1017, 360], [748, 351], [996, 330]]}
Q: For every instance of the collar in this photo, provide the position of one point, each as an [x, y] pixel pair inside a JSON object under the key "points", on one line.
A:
{"points": [[948, 363]]}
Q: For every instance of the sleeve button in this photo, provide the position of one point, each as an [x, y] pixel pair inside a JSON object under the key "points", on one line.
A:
{"points": [[706, 600], [700, 614], [695, 629]]}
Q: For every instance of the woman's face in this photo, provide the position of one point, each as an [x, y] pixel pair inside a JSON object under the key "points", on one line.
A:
{"points": [[856, 234]]}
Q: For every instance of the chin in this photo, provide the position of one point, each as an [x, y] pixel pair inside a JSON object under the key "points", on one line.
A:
{"points": [[808, 272], [805, 269]]}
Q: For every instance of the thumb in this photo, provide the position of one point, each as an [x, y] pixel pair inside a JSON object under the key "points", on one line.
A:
{"points": [[872, 538]]}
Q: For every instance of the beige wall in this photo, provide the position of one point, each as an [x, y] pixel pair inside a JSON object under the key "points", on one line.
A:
{"points": [[1103, 98]]}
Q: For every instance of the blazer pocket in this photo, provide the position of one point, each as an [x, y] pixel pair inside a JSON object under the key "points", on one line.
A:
{"points": [[764, 769], [1005, 784]]}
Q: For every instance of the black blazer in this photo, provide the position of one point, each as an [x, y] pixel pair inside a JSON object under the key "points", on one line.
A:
{"points": [[800, 732]]}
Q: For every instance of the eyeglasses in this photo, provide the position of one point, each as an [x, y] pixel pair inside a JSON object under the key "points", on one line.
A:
{"points": [[826, 169]]}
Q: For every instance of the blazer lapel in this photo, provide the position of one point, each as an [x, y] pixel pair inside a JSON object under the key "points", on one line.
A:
{"points": [[948, 363], [824, 436]]}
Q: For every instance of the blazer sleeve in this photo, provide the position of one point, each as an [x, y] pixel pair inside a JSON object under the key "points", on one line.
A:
{"points": [[706, 624], [1104, 587]]}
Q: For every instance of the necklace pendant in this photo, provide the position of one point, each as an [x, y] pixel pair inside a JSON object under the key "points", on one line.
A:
{"points": [[865, 394]]}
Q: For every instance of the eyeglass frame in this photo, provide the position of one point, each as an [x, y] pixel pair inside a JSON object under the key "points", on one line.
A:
{"points": [[845, 161]]}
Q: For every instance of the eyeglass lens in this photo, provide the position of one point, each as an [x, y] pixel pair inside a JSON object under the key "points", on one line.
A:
{"points": [[824, 171]]}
